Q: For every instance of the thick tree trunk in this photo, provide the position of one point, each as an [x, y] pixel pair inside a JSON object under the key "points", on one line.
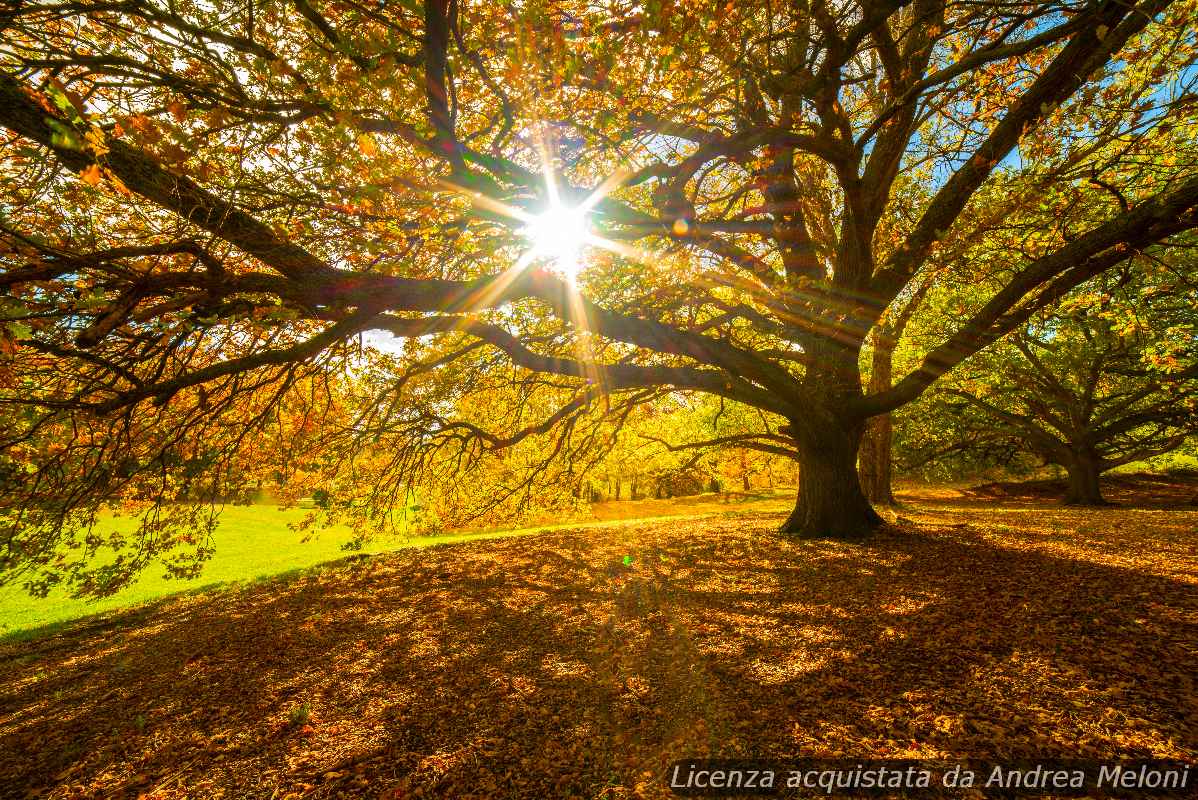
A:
{"points": [[831, 504], [1084, 489]]}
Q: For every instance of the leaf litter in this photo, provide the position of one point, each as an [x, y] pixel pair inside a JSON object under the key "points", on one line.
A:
{"points": [[581, 663]]}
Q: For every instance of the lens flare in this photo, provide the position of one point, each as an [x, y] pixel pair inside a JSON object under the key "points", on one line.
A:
{"points": [[558, 234]]}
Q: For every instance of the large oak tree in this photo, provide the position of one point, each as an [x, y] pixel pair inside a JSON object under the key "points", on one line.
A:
{"points": [[206, 201]]}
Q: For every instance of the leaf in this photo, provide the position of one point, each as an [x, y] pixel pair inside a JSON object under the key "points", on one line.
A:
{"points": [[63, 136], [67, 101], [367, 145], [91, 175], [96, 141], [117, 183]]}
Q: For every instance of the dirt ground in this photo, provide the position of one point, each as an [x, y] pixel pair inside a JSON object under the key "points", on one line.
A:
{"points": [[581, 663]]}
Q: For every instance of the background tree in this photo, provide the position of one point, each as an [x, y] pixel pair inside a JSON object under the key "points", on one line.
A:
{"points": [[203, 202], [876, 462], [1109, 379], [724, 438]]}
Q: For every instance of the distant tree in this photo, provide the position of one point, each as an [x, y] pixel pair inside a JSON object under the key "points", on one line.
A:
{"points": [[1109, 379], [941, 438], [876, 462], [711, 432]]}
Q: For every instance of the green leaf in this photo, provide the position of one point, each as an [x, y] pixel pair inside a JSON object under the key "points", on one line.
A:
{"points": [[63, 136]]}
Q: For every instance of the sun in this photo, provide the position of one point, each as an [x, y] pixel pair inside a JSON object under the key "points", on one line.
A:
{"points": [[558, 234]]}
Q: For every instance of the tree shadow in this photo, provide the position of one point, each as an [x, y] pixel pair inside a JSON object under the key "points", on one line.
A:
{"points": [[570, 664], [1140, 490]]}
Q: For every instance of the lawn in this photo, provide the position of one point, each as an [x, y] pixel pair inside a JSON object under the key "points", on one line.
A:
{"points": [[255, 542], [579, 663], [251, 542]]}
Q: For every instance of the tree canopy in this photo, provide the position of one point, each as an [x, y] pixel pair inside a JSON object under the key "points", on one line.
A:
{"points": [[1107, 379], [562, 210]]}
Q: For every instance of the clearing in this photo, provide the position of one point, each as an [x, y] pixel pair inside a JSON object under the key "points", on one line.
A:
{"points": [[580, 663]]}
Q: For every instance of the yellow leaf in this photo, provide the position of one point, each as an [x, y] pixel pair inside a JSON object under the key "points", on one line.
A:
{"points": [[117, 183], [96, 141], [367, 144]]}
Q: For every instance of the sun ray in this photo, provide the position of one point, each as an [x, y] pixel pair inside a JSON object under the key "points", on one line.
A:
{"points": [[486, 294], [606, 187], [558, 234]]}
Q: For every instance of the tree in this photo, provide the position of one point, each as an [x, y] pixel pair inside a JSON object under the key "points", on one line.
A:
{"points": [[1109, 379], [254, 188], [709, 430], [876, 463]]}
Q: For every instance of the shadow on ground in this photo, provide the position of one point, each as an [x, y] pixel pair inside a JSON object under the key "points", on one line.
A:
{"points": [[548, 667]]}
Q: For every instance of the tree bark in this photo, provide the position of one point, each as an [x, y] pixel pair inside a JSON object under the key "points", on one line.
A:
{"points": [[831, 504], [875, 470], [1084, 488], [876, 466]]}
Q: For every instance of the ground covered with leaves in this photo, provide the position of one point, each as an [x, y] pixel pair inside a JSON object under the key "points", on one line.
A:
{"points": [[1139, 489], [579, 664]]}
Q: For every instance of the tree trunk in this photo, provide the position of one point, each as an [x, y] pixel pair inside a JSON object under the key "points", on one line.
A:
{"points": [[830, 504], [1084, 489], [875, 468]]}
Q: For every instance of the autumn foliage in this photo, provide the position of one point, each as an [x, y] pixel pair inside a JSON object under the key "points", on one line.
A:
{"points": [[561, 220]]}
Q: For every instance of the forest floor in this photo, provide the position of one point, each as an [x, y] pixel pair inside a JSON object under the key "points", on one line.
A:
{"points": [[982, 624]]}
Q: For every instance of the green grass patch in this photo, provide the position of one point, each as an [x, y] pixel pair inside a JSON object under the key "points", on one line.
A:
{"points": [[1175, 460], [251, 542]]}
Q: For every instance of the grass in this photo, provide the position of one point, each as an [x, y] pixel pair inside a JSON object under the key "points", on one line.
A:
{"points": [[1174, 460], [252, 542], [255, 542]]}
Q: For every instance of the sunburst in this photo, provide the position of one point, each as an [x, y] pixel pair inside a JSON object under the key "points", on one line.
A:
{"points": [[560, 234]]}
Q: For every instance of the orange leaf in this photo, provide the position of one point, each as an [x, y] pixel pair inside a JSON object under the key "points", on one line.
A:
{"points": [[91, 175]]}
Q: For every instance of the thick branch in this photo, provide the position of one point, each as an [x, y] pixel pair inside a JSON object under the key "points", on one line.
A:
{"points": [[1087, 51]]}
